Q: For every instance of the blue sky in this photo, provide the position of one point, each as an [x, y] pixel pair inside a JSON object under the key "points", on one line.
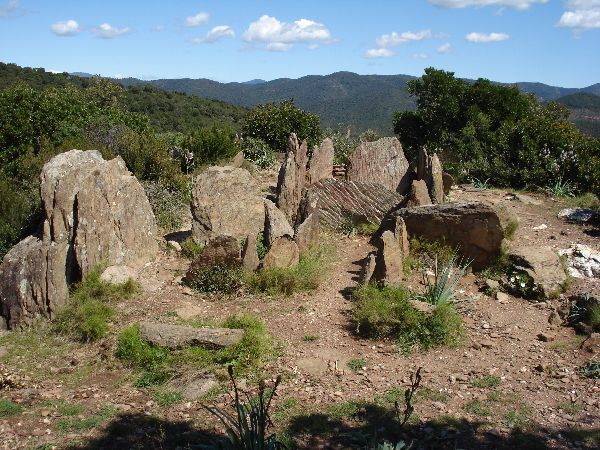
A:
{"points": [[551, 41]]}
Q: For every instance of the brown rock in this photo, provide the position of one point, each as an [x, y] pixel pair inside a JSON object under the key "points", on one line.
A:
{"points": [[308, 233], [436, 188], [389, 260], [382, 162], [401, 235], [473, 228], [222, 251], [250, 260], [276, 224], [291, 180], [448, 181], [226, 201], [321, 162], [283, 253], [368, 268], [178, 336], [542, 265], [418, 194]]}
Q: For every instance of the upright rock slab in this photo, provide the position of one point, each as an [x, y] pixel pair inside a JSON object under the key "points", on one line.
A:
{"points": [[226, 202], [250, 260], [418, 195], [308, 233], [429, 169], [389, 260], [321, 162], [276, 223], [94, 211], [222, 251], [290, 181], [283, 253], [401, 235], [473, 228], [381, 162]]}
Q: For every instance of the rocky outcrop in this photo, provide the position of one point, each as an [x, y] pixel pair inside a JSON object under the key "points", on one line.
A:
{"points": [[543, 267], [474, 229], [308, 233], [283, 253], [381, 162], [418, 194], [389, 260], [276, 223], [337, 200], [448, 181], [226, 202], [94, 211], [178, 336], [250, 260], [321, 162]]}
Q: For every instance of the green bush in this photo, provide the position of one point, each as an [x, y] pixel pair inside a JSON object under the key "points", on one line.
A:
{"points": [[212, 145], [273, 123], [258, 152], [215, 279], [343, 146], [190, 248], [168, 204], [446, 278], [89, 308]]}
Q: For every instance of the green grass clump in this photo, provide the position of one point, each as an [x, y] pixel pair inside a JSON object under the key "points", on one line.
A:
{"points": [[89, 307], [517, 419], [190, 248], [75, 424], [570, 408], [65, 408], [357, 364], [432, 250], [588, 201], [486, 381], [168, 397], [216, 279], [594, 317], [387, 312], [478, 408], [9, 408], [154, 362], [511, 229], [345, 410], [431, 395], [254, 346], [306, 276], [310, 338], [446, 278]]}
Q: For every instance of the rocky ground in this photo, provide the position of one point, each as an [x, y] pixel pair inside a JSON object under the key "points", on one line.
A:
{"points": [[514, 382]]}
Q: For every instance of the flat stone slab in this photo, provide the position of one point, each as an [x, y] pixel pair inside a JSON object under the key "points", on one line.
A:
{"points": [[178, 336]]}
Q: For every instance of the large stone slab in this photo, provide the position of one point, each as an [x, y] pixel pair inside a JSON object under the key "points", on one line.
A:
{"points": [[473, 228], [226, 201], [321, 162], [222, 251], [291, 179], [276, 223], [337, 200], [283, 253], [382, 162], [178, 336], [389, 262], [308, 233]]}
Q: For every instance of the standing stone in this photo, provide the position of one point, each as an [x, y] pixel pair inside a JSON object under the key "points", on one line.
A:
{"points": [[436, 188], [226, 201], [321, 162], [423, 164], [221, 251], [301, 164], [402, 235], [389, 260], [276, 224], [283, 253], [289, 182], [308, 233], [448, 181], [382, 162], [250, 259], [418, 195], [368, 268]]}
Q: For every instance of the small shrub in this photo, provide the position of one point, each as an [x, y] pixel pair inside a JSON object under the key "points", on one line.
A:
{"points": [[310, 338], [517, 419], [261, 246], [431, 251], [357, 364], [560, 188], [594, 317], [254, 347], [190, 248], [486, 381], [480, 184], [510, 229], [345, 410], [588, 201], [88, 309], [167, 398], [168, 203], [9, 408], [591, 370], [478, 408], [443, 327], [570, 408], [216, 279], [445, 281], [259, 152]]}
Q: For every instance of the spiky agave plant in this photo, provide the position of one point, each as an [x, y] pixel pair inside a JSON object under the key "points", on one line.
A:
{"points": [[443, 287], [247, 430]]}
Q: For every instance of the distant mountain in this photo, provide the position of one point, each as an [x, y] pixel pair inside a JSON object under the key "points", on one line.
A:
{"points": [[81, 74], [341, 99], [585, 110]]}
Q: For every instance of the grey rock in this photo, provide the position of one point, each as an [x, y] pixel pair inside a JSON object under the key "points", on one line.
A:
{"points": [[389, 268], [276, 223], [582, 261], [118, 274], [402, 235], [321, 162], [542, 265], [221, 251], [308, 233], [448, 181], [578, 215], [291, 179], [418, 195], [178, 336], [368, 268], [250, 260]]}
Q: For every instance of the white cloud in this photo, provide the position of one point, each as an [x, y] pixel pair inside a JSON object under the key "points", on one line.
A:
{"points": [[444, 48], [484, 38], [420, 56], [107, 31], [516, 4], [379, 53], [581, 15], [195, 21], [67, 28], [393, 39], [217, 33], [159, 28], [10, 7], [281, 36]]}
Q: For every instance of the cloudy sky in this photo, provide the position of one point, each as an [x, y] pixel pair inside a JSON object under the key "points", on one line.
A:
{"points": [[551, 41]]}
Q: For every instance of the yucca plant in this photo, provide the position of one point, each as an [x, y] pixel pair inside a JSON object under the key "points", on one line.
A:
{"points": [[560, 188], [445, 281], [247, 430]]}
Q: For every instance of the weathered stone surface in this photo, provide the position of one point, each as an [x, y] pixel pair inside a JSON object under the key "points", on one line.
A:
{"points": [[222, 251], [308, 233], [368, 268], [389, 260], [95, 211], [250, 259], [226, 201], [582, 261], [321, 162], [337, 200], [188, 311], [178, 336], [401, 235], [283, 253], [118, 274], [237, 160], [436, 189], [418, 194], [473, 228], [448, 181], [276, 223], [382, 162], [195, 386], [579, 215], [542, 265], [290, 182]]}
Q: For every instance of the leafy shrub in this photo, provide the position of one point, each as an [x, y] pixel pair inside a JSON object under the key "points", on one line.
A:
{"points": [[273, 123], [443, 327], [357, 364], [216, 279], [343, 146], [168, 204], [88, 309], [168, 397], [211, 145], [190, 248], [261, 246], [258, 152], [431, 251]]}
